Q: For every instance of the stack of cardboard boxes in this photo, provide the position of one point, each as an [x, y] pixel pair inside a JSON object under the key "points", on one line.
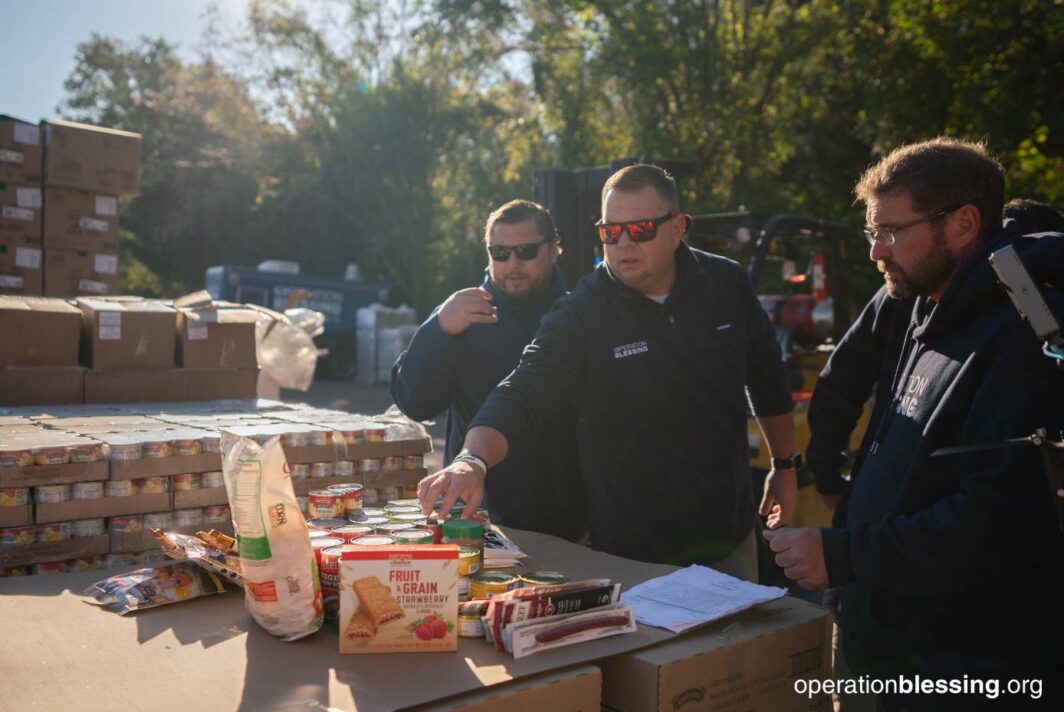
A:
{"points": [[60, 183]]}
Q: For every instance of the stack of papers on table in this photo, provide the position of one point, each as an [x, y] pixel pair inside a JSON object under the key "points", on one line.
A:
{"points": [[694, 596], [499, 551]]}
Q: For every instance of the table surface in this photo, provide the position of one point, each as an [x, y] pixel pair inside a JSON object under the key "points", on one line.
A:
{"points": [[57, 652]]}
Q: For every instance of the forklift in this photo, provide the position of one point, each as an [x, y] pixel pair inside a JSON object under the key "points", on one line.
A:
{"points": [[797, 265]]}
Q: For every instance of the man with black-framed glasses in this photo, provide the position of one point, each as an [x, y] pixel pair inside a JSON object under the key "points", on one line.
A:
{"points": [[471, 342], [660, 349]]}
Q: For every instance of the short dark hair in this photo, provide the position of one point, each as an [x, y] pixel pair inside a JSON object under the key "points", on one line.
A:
{"points": [[940, 174], [1033, 216], [518, 211], [644, 175]]}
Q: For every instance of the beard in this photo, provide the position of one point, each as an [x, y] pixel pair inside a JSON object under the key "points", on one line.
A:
{"points": [[928, 276]]}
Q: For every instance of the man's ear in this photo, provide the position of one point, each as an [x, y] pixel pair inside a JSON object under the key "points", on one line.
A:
{"points": [[967, 222], [555, 251]]}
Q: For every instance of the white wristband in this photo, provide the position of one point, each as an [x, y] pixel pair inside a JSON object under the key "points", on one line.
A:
{"points": [[470, 457]]}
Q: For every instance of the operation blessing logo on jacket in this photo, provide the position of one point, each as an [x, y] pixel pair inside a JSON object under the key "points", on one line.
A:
{"points": [[638, 347]]}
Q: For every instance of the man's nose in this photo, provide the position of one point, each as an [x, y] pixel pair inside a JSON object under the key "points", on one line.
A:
{"points": [[878, 251]]}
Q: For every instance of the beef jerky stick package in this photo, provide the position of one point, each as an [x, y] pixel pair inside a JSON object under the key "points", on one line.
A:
{"points": [[281, 588]]}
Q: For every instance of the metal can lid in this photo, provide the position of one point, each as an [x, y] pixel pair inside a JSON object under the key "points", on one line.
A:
{"points": [[463, 529], [369, 512], [378, 540], [346, 486], [326, 542], [324, 493], [493, 577], [545, 578], [412, 534]]}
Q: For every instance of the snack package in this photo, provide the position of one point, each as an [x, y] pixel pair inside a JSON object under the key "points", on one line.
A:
{"points": [[148, 588], [281, 587]]}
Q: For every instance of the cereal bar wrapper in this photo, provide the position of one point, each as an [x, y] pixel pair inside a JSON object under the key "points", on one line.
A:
{"points": [[281, 586], [148, 588]]}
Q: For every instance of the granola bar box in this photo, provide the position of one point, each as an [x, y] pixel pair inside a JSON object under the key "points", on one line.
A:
{"points": [[399, 599]]}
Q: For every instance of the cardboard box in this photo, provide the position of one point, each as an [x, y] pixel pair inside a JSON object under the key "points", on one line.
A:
{"points": [[77, 220], [21, 268], [21, 151], [745, 662], [127, 332], [20, 214], [104, 507], [362, 451], [41, 385], [38, 332], [22, 554], [16, 516], [222, 338], [165, 466], [577, 689], [91, 158], [54, 474], [399, 599], [71, 273], [204, 384], [134, 386], [187, 499]]}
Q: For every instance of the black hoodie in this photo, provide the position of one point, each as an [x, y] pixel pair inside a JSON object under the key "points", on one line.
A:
{"points": [[955, 565]]}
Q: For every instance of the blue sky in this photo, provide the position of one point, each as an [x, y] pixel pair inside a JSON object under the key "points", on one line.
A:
{"points": [[38, 40]]}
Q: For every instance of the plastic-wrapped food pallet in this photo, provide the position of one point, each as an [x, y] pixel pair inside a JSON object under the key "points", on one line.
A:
{"points": [[373, 360]]}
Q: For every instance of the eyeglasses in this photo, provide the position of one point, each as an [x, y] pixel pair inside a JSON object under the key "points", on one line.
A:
{"points": [[888, 234], [639, 230], [525, 252]]}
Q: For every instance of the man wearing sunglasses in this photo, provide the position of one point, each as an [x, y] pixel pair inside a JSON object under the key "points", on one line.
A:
{"points": [[930, 543], [471, 342], [659, 350]]}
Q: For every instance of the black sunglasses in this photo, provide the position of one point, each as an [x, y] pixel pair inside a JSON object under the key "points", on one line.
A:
{"points": [[525, 252], [638, 230]]}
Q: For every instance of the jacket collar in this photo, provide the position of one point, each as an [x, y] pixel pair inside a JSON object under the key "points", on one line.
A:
{"points": [[687, 269], [540, 301]]}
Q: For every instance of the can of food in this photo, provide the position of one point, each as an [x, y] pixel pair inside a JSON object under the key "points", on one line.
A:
{"points": [[389, 528], [118, 488], [488, 583], [56, 531], [352, 494], [348, 435], [151, 485], [370, 496], [130, 523], [412, 536], [155, 448], [17, 535], [417, 519], [343, 468], [392, 464], [326, 524], [50, 494], [409, 491], [296, 438], [322, 543], [212, 480], [318, 436], [304, 505], [216, 514], [374, 433], [468, 561], [400, 506], [369, 466], [188, 517], [544, 578], [387, 493], [321, 469], [370, 512], [436, 527], [373, 540], [14, 497], [52, 567], [470, 626], [15, 457], [125, 450], [187, 482], [463, 589], [481, 515], [211, 443], [114, 561], [370, 521], [88, 452], [85, 563], [186, 445], [86, 490], [14, 571], [58, 455], [318, 534], [300, 472], [326, 504], [413, 462], [158, 520], [83, 528], [353, 531], [329, 576]]}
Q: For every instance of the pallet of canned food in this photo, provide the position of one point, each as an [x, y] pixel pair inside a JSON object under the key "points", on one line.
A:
{"points": [[82, 487]]}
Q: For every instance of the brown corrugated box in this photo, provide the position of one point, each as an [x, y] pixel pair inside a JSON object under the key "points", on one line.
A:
{"points": [[16, 516], [187, 499], [142, 385], [41, 385], [202, 384], [219, 338], [126, 332], [22, 554], [74, 509], [21, 151], [79, 220], [165, 466], [38, 332], [91, 158], [21, 268], [20, 213], [71, 273], [54, 474], [577, 689], [744, 662]]}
